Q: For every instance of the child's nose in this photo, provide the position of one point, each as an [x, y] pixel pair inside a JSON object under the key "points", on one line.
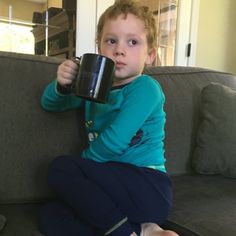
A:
{"points": [[119, 51]]}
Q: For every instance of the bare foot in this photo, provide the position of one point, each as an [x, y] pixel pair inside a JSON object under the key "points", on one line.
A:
{"points": [[133, 234], [151, 229]]}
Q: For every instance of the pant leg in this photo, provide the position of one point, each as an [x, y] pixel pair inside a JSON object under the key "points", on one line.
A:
{"points": [[100, 192], [143, 194], [71, 181], [58, 219]]}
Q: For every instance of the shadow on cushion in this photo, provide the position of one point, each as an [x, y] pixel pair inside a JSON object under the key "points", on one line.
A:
{"points": [[2, 221]]}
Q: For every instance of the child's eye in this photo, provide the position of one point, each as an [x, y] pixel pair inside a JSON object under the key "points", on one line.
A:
{"points": [[132, 42], [111, 41]]}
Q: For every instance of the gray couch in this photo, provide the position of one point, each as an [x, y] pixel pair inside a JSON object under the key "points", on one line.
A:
{"points": [[204, 203]]}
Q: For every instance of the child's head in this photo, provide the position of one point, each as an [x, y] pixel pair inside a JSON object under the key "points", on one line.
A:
{"points": [[125, 7], [127, 34]]}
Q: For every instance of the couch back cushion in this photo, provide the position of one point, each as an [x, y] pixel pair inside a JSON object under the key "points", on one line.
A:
{"points": [[30, 137], [182, 87]]}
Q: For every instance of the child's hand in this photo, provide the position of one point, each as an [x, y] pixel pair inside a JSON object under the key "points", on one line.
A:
{"points": [[66, 72]]}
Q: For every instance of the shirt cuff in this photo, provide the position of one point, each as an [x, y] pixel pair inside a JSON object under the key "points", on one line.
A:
{"points": [[63, 90]]}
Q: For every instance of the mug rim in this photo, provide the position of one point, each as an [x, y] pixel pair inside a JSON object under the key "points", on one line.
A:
{"points": [[97, 54]]}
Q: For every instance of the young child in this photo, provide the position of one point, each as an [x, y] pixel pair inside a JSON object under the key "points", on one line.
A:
{"points": [[118, 186]]}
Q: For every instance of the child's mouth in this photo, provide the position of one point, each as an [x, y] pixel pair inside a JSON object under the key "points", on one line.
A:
{"points": [[120, 64]]}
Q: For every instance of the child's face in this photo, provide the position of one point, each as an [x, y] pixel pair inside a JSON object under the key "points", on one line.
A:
{"points": [[125, 41]]}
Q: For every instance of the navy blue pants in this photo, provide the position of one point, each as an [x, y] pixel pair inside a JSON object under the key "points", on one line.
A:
{"points": [[103, 198]]}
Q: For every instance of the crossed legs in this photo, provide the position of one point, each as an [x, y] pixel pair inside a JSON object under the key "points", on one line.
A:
{"points": [[105, 199]]}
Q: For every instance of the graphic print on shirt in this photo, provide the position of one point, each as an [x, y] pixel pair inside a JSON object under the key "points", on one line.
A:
{"points": [[92, 135], [136, 138]]}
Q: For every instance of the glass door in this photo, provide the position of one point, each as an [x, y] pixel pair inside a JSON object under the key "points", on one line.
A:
{"points": [[166, 16], [165, 13], [177, 24]]}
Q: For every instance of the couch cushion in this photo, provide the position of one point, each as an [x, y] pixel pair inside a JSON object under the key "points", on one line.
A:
{"points": [[182, 87], [30, 137], [22, 219], [215, 152], [2, 221], [205, 204], [196, 199]]}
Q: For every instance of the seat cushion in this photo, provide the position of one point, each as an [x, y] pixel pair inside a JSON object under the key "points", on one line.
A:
{"points": [[2, 221], [22, 219], [205, 205]]}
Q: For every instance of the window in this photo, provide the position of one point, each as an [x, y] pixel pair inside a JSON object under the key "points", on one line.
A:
{"points": [[41, 27], [16, 38]]}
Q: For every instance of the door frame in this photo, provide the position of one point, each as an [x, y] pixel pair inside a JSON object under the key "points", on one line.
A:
{"points": [[88, 13], [187, 29]]}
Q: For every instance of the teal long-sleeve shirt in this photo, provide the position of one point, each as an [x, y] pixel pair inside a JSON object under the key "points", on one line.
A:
{"points": [[129, 128]]}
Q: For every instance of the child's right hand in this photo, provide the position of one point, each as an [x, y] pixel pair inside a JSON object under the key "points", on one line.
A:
{"points": [[66, 72]]}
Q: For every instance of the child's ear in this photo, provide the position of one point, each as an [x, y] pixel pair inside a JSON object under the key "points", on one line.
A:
{"points": [[98, 46], [152, 53]]}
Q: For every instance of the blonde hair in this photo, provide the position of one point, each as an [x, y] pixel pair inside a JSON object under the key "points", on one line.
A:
{"points": [[125, 7]]}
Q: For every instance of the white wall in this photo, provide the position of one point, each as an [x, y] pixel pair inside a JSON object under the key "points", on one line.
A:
{"points": [[88, 13], [216, 47], [85, 26]]}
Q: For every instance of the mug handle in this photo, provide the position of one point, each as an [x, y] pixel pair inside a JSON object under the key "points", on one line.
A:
{"points": [[69, 88], [77, 60]]}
